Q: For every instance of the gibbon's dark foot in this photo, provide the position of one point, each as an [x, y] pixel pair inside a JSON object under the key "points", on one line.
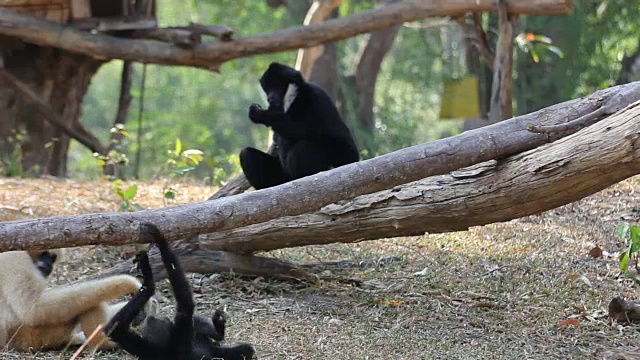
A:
{"points": [[261, 169], [219, 320]]}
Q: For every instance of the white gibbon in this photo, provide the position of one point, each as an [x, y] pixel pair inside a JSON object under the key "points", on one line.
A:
{"points": [[34, 317]]}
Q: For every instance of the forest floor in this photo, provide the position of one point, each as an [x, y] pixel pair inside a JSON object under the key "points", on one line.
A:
{"points": [[527, 288]]}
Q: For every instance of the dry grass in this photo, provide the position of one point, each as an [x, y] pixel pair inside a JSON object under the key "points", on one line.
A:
{"points": [[495, 292]]}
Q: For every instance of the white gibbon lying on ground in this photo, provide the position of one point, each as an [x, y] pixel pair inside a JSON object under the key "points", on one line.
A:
{"points": [[34, 317]]}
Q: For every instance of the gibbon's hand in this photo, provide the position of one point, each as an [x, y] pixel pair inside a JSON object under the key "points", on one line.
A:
{"points": [[256, 113], [219, 321], [265, 116], [142, 263]]}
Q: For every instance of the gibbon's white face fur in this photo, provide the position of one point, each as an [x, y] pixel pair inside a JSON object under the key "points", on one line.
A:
{"points": [[290, 96]]}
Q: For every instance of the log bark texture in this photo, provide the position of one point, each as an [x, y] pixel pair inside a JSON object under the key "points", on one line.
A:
{"points": [[524, 184], [213, 54], [310, 193]]}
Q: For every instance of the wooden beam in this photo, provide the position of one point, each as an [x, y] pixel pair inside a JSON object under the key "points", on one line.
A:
{"points": [[211, 55]]}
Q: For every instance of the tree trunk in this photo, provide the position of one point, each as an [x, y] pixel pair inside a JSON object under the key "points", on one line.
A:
{"points": [[630, 67], [502, 85], [60, 78], [113, 156], [524, 184], [358, 92], [521, 185], [309, 194], [326, 69], [367, 70], [318, 12]]}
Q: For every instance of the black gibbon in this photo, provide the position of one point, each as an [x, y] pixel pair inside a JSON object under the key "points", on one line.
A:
{"points": [[309, 135], [188, 336], [34, 317]]}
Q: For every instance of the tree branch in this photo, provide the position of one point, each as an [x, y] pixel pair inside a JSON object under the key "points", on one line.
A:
{"points": [[82, 135], [212, 55], [310, 193]]}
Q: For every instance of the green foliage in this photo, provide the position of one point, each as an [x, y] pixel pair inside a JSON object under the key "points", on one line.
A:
{"points": [[631, 234], [558, 58], [179, 163], [11, 162], [126, 196], [536, 45], [593, 38]]}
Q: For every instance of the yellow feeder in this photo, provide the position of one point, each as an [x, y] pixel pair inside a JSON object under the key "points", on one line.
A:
{"points": [[460, 99]]}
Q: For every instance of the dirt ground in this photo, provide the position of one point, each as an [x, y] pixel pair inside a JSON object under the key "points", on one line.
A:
{"points": [[525, 289]]}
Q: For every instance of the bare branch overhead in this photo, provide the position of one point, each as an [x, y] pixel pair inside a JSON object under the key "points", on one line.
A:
{"points": [[211, 55]]}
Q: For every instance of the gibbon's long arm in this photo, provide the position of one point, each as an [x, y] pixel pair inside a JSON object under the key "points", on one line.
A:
{"points": [[183, 331], [280, 122], [175, 273], [283, 124], [119, 327], [62, 304]]}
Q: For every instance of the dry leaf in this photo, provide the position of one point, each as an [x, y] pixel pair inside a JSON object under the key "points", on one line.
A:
{"points": [[392, 302], [568, 322], [596, 252]]}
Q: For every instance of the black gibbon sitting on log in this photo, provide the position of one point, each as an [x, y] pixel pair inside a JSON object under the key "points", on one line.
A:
{"points": [[34, 317], [308, 133], [188, 336]]}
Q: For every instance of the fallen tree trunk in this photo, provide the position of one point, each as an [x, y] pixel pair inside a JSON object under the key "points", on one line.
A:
{"points": [[524, 184], [195, 259], [309, 194], [213, 54]]}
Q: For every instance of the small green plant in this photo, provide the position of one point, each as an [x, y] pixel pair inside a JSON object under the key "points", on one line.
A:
{"points": [[11, 163], [114, 156], [179, 163], [631, 234], [126, 196]]}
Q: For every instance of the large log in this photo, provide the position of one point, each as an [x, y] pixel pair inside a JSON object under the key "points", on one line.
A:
{"points": [[524, 184], [309, 194], [211, 55]]}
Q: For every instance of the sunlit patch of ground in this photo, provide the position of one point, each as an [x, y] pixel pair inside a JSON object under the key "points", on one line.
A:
{"points": [[500, 291]]}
